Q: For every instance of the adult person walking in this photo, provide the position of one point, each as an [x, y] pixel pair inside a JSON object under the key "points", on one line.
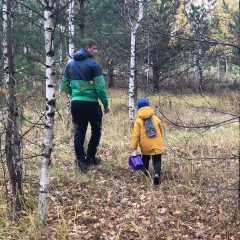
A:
{"points": [[84, 81]]}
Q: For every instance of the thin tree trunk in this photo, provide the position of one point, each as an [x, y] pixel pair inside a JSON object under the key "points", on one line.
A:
{"points": [[4, 45], [200, 57], [71, 29], [12, 138], [194, 66], [148, 67], [155, 82], [155, 70], [60, 52], [226, 68], [70, 54], [82, 22], [218, 68], [49, 115], [132, 75], [110, 74], [134, 27]]}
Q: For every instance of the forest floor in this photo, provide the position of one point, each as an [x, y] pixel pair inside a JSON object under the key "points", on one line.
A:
{"points": [[197, 197]]}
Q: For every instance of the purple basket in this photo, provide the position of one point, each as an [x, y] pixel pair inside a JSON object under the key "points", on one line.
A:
{"points": [[135, 162]]}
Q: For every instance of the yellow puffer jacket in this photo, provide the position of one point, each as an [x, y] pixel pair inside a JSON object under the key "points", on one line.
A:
{"points": [[149, 146]]}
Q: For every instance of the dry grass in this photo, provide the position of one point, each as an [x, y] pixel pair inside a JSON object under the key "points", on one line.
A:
{"points": [[195, 200]]}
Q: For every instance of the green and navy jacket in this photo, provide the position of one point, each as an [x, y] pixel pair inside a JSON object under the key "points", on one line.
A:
{"points": [[83, 79]]}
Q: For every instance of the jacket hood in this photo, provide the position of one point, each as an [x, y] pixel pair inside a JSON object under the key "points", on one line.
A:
{"points": [[81, 54], [145, 112]]}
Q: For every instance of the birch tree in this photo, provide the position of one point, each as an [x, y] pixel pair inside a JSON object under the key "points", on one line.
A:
{"points": [[200, 55], [71, 29], [70, 55], [12, 138], [134, 27], [4, 44], [200, 24], [49, 114]]}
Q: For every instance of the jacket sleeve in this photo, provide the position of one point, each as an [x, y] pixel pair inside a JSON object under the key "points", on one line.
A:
{"points": [[100, 87], [65, 85], [135, 136]]}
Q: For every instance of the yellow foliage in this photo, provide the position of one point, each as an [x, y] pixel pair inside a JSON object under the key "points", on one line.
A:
{"points": [[4, 91]]}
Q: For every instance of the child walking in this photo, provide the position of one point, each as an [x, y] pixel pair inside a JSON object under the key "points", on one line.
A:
{"points": [[147, 133]]}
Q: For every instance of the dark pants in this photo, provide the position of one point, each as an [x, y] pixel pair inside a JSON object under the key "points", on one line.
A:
{"points": [[156, 160], [83, 113]]}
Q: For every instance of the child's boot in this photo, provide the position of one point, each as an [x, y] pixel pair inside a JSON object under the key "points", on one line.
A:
{"points": [[157, 161], [145, 160]]}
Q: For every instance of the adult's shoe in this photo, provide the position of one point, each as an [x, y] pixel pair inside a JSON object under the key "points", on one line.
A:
{"points": [[97, 161], [156, 179], [93, 161], [82, 164]]}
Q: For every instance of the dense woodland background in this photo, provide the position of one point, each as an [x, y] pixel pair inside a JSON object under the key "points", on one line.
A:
{"points": [[186, 57]]}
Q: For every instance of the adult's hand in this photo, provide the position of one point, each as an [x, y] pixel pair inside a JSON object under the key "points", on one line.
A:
{"points": [[107, 110]]}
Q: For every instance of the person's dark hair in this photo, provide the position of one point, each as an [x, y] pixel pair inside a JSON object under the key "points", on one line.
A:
{"points": [[88, 42]]}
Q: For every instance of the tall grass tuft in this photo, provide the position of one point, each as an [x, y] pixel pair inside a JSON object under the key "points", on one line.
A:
{"points": [[197, 197]]}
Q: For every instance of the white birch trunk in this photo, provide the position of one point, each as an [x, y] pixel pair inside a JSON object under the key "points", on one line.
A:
{"points": [[226, 74], [49, 115], [71, 29], [148, 62], [134, 27], [12, 138], [60, 52], [132, 75], [194, 66], [200, 56], [4, 44], [218, 69], [189, 67], [71, 52]]}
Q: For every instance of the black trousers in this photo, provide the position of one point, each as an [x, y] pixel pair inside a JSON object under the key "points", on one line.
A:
{"points": [[83, 113], [156, 161]]}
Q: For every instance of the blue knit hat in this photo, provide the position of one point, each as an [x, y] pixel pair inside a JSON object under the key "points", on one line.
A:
{"points": [[142, 102]]}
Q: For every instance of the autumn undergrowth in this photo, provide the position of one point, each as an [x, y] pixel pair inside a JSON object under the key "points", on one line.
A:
{"points": [[197, 197]]}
